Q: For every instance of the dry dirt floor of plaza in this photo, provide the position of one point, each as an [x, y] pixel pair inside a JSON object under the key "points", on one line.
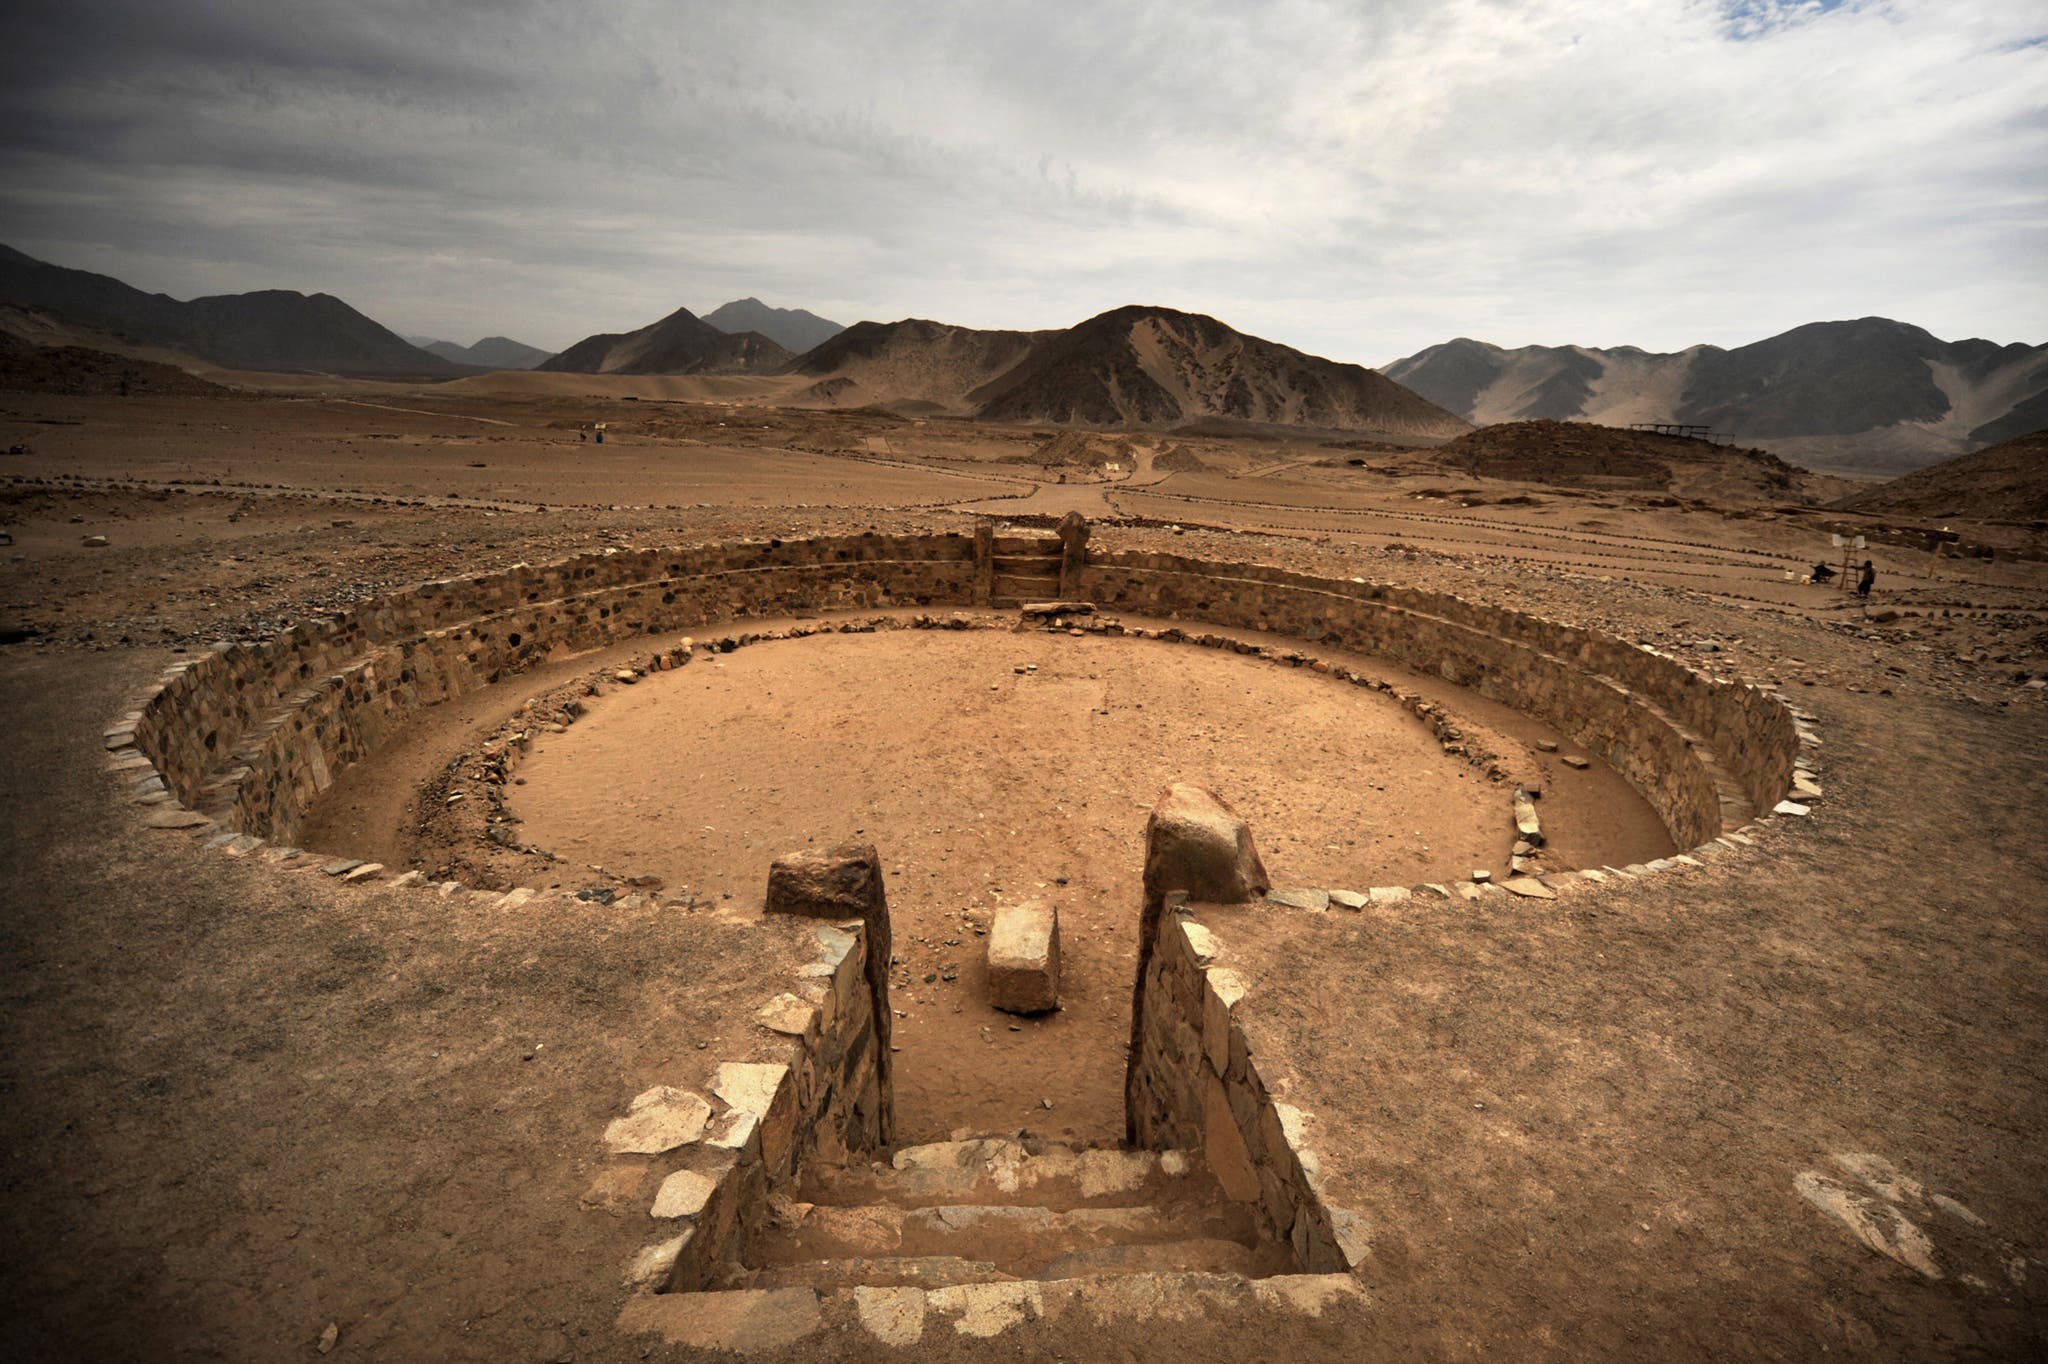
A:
{"points": [[240, 1106]]}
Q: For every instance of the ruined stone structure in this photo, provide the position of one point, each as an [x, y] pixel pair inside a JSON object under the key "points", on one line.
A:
{"points": [[236, 743]]}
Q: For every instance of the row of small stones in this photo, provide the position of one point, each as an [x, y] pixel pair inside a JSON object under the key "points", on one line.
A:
{"points": [[489, 767], [147, 785]]}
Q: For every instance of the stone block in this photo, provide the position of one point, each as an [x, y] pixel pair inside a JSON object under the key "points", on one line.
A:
{"points": [[1226, 987], [683, 1194], [844, 882], [660, 1119], [1224, 1147], [762, 1089], [1024, 958], [1195, 842]]}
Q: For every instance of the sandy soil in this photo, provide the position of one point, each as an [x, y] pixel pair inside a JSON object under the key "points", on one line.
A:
{"points": [[986, 786], [242, 1106], [1032, 784]]}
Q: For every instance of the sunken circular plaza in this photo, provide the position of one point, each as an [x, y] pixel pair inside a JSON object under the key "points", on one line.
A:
{"points": [[889, 691]]}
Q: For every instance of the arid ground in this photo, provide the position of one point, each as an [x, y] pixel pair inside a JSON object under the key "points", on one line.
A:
{"points": [[243, 1106]]}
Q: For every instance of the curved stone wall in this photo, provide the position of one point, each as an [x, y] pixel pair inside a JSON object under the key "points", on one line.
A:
{"points": [[249, 734]]}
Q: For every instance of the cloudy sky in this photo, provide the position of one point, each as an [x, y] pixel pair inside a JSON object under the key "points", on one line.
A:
{"points": [[1356, 179]]}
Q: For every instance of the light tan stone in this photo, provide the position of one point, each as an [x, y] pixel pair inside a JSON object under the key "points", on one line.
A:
{"points": [[651, 1265], [1226, 987], [987, 1309], [660, 1119], [1024, 958], [683, 1194], [894, 1316], [743, 1321], [1195, 842], [1202, 946], [789, 1015]]}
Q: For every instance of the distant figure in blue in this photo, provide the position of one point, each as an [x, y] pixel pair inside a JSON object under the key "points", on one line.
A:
{"points": [[1863, 583]]}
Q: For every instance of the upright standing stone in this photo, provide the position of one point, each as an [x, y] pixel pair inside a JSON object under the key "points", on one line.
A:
{"points": [[845, 882], [1073, 531], [984, 564], [1196, 846], [1024, 958], [1195, 842]]}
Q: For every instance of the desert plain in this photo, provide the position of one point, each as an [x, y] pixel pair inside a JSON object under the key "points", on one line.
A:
{"points": [[1783, 1105]]}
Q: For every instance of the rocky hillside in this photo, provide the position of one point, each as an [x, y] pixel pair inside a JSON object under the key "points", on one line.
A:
{"points": [[911, 366], [793, 329], [271, 329], [1142, 366], [1134, 366], [2007, 482], [681, 343], [81, 372], [1586, 455], [1870, 393]]}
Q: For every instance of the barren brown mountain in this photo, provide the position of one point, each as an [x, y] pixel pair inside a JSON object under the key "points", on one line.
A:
{"points": [[1142, 366], [912, 366], [1131, 367], [2008, 482], [1870, 395], [1584, 454], [269, 329], [681, 343]]}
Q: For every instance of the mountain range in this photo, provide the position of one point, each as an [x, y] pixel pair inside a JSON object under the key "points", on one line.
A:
{"points": [[1134, 366], [271, 329], [1872, 393], [1869, 395]]}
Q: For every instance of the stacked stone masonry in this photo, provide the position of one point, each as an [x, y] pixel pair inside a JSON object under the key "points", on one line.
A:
{"points": [[823, 1096], [1196, 1086], [249, 734]]}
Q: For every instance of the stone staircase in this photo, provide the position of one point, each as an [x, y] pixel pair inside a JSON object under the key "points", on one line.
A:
{"points": [[1027, 567], [1002, 1210]]}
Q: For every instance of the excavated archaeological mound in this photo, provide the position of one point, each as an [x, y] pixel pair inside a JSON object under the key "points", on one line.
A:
{"points": [[662, 723]]}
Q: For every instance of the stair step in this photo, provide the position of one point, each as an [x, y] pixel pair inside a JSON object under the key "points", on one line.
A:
{"points": [[1027, 563], [885, 1271], [1164, 1257], [1016, 588], [1019, 1240], [1008, 1172], [1012, 544], [851, 1322]]}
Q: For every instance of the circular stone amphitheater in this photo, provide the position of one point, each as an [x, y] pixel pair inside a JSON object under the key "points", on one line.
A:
{"points": [[862, 759]]}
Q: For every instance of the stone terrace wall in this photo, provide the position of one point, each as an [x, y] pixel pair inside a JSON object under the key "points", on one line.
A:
{"points": [[249, 734], [1197, 1086], [823, 1096], [1664, 727]]}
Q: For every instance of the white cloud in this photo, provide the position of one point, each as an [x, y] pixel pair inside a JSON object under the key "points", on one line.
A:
{"points": [[1354, 180]]}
